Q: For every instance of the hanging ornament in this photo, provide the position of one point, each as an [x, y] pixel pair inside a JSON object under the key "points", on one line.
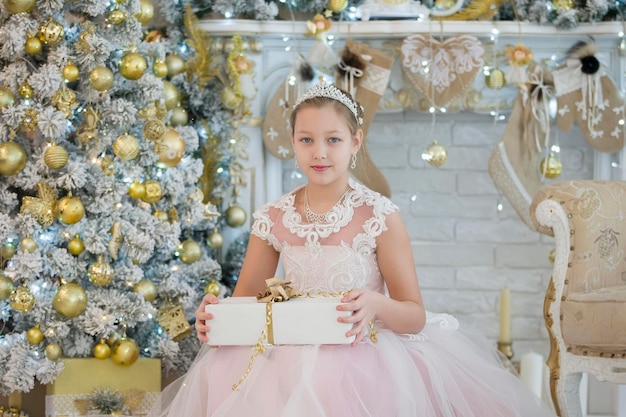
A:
{"points": [[159, 69], [179, 116], [551, 166], [153, 192], [55, 156], [172, 319], [65, 100], [235, 216], [19, 6], [51, 33], [132, 66], [76, 246], [563, 5], [70, 209], [175, 65], [28, 244], [12, 158], [101, 78], [519, 57], [100, 273], [190, 251], [107, 165], [145, 13], [32, 45], [171, 96], [117, 16], [137, 190], [21, 299], [70, 72], [29, 121], [495, 79], [126, 147], [102, 350], [215, 240], [146, 289], [70, 300], [231, 99], [161, 215], [26, 91], [53, 351], [337, 6], [436, 155], [172, 214], [124, 352], [116, 239], [6, 286], [154, 129], [42, 208], [34, 335], [6, 98], [213, 288], [171, 149], [8, 250], [87, 133]]}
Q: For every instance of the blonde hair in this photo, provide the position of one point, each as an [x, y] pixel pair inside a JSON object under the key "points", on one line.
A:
{"points": [[340, 108]]}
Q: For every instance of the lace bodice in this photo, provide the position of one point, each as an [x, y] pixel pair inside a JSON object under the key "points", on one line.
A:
{"points": [[333, 257]]}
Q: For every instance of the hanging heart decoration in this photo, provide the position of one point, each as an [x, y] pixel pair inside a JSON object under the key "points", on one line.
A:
{"points": [[441, 70]]}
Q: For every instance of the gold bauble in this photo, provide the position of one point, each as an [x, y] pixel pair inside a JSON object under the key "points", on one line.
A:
{"points": [[336, 6], [51, 33], [34, 335], [126, 147], [12, 158], [137, 190], [117, 16], [76, 246], [495, 79], [436, 155], [21, 299], [70, 300], [175, 65], [53, 351], [171, 149], [551, 166], [55, 156], [161, 215], [179, 116], [563, 5], [69, 210], [153, 191], [215, 240], [28, 244], [100, 273], [6, 286], [125, 352], [70, 72], [230, 99], [101, 78], [107, 165], [153, 129], [6, 98], [147, 289], [159, 69], [32, 45], [102, 350], [132, 66], [235, 216], [190, 251], [7, 251], [213, 288], [171, 96], [146, 12], [25, 90], [19, 6]]}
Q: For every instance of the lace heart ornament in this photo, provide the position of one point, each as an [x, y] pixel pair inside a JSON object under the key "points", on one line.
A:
{"points": [[441, 70]]}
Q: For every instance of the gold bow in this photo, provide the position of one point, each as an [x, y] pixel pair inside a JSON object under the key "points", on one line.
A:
{"points": [[277, 290]]}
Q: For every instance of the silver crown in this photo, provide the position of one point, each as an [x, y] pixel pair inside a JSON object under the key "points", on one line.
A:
{"points": [[332, 92]]}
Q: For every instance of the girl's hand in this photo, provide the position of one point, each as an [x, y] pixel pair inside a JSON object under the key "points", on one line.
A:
{"points": [[202, 328], [362, 302]]}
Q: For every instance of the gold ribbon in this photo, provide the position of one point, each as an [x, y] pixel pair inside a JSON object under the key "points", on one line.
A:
{"points": [[132, 401]]}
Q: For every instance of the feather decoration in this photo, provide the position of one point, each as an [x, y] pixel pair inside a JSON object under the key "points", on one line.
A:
{"points": [[200, 65], [585, 52], [305, 70], [350, 60], [475, 10]]}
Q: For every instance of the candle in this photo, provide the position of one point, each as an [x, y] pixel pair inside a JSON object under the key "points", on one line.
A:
{"points": [[505, 316], [531, 371]]}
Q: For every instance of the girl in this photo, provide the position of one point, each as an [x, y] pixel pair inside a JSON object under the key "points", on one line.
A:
{"points": [[335, 235]]}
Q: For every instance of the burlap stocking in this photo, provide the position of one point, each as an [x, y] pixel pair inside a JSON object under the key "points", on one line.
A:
{"points": [[514, 163], [276, 128], [587, 95]]}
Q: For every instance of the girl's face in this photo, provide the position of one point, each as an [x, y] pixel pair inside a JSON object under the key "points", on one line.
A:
{"points": [[324, 144]]}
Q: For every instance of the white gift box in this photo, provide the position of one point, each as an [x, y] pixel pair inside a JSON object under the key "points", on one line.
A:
{"points": [[298, 321]]}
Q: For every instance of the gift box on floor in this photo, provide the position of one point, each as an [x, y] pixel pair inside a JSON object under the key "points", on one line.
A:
{"points": [[140, 383], [298, 321]]}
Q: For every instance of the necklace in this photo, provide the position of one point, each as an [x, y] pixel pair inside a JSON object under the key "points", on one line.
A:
{"points": [[313, 217]]}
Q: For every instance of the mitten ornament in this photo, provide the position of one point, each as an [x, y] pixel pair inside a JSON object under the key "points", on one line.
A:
{"points": [[514, 163], [588, 96]]}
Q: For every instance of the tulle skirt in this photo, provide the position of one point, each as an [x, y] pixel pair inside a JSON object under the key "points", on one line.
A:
{"points": [[440, 372]]}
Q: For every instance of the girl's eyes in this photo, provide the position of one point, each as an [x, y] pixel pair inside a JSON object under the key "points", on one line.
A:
{"points": [[331, 140]]}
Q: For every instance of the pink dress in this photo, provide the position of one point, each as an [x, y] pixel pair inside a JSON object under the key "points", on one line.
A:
{"points": [[439, 372]]}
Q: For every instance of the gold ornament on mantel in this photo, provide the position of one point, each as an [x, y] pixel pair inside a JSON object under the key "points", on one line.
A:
{"points": [[102, 350], [55, 156], [41, 208], [436, 155], [34, 335], [21, 298], [70, 300], [495, 79], [172, 319], [337, 6], [100, 273], [12, 158]]}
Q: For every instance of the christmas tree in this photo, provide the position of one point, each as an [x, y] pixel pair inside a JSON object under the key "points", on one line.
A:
{"points": [[120, 162]]}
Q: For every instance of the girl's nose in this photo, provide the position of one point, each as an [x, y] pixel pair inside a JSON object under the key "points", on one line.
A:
{"points": [[320, 152]]}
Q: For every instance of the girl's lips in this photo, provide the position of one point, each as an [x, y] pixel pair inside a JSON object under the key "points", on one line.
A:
{"points": [[319, 168]]}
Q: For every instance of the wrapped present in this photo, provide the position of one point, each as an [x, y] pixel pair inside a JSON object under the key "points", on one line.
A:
{"points": [[139, 384]]}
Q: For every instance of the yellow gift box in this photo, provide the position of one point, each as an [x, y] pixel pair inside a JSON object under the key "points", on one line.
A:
{"points": [[81, 376]]}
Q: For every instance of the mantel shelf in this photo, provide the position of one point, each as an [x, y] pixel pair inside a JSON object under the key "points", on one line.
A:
{"points": [[402, 28]]}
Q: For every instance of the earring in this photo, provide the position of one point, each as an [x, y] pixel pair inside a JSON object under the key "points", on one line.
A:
{"points": [[353, 164], [295, 163]]}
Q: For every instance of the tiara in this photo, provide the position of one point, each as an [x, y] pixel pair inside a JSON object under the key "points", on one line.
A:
{"points": [[332, 92]]}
